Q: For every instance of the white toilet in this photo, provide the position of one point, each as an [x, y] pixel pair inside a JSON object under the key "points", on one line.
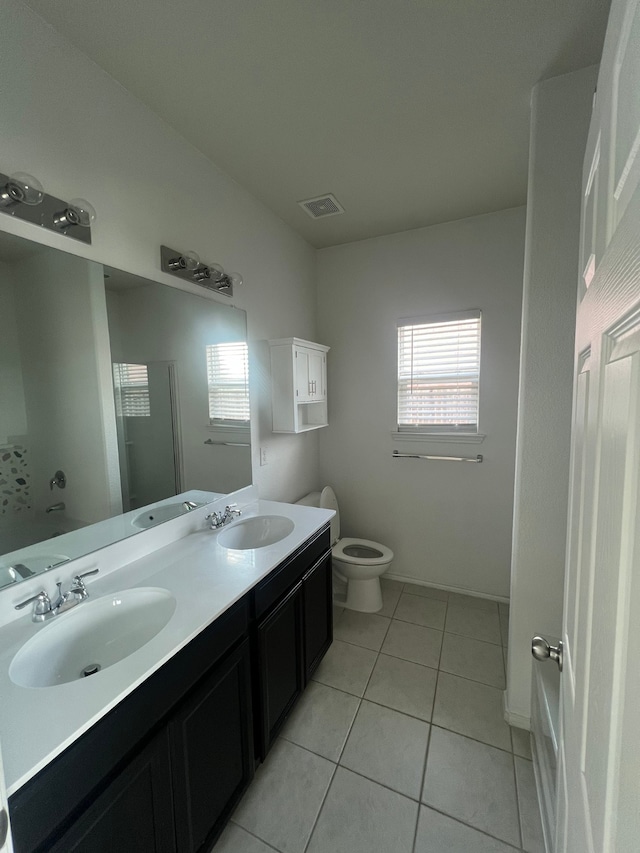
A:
{"points": [[358, 562]]}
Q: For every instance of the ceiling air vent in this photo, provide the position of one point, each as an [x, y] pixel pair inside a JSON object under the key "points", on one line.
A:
{"points": [[322, 205]]}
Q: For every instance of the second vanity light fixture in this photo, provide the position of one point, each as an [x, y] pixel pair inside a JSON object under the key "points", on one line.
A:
{"points": [[188, 266], [23, 196]]}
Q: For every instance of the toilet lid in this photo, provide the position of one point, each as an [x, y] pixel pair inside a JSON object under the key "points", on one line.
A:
{"points": [[328, 500], [363, 552]]}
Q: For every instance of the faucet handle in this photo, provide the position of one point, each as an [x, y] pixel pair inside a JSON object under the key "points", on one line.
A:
{"points": [[86, 574], [41, 598]]}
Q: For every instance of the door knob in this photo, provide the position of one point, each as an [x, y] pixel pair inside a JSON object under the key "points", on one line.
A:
{"points": [[541, 650]]}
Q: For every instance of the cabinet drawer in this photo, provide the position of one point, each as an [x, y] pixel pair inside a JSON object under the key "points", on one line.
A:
{"points": [[275, 585]]}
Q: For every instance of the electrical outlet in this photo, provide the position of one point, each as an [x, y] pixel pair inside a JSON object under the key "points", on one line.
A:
{"points": [[263, 456]]}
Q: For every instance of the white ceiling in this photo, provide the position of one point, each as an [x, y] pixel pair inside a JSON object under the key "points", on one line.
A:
{"points": [[410, 111]]}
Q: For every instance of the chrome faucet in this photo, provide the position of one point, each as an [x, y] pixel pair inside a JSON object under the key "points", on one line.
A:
{"points": [[219, 519], [44, 608], [189, 505], [59, 507]]}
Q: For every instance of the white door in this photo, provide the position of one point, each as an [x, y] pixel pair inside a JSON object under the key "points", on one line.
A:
{"points": [[599, 766]]}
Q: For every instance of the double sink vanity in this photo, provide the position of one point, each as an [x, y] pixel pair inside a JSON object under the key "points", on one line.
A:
{"points": [[135, 721]]}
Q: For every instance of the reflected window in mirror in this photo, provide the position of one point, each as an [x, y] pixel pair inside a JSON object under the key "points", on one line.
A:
{"points": [[228, 380], [126, 437], [131, 385]]}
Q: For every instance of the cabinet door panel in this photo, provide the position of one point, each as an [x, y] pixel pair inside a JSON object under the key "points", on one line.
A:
{"points": [[212, 747], [280, 664], [303, 380], [318, 613], [133, 814], [316, 375]]}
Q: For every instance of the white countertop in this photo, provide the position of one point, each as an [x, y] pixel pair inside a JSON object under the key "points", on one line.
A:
{"points": [[37, 724]]}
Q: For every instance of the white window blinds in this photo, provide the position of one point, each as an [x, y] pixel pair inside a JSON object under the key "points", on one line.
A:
{"points": [[131, 382], [228, 377], [439, 373]]}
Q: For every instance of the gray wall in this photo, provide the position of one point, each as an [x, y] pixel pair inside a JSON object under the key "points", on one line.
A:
{"points": [[149, 187], [447, 523]]}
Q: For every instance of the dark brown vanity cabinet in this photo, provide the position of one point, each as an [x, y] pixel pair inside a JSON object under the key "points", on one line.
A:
{"points": [[294, 629], [162, 771], [212, 752], [133, 813]]}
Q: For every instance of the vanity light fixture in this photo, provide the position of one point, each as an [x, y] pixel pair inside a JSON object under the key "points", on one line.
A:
{"points": [[77, 212], [22, 196], [189, 267], [21, 188]]}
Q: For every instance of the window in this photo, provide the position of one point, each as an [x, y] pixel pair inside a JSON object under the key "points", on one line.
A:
{"points": [[131, 383], [228, 377], [439, 373]]}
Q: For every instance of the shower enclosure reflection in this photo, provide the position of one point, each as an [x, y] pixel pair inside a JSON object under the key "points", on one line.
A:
{"points": [[108, 377]]}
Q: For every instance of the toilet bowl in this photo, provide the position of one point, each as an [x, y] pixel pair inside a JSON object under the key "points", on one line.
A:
{"points": [[358, 562]]}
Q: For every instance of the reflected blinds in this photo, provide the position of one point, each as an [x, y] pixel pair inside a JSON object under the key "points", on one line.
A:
{"points": [[228, 378], [131, 382], [438, 373]]}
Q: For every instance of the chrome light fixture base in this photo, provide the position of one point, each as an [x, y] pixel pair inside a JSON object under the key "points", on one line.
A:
{"points": [[188, 267], [48, 212]]}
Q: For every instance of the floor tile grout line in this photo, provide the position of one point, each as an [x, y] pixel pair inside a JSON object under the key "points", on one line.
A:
{"points": [[470, 737], [515, 782], [257, 837], [475, 639], [424, 767], [420, 624], [474, 680], [419, 801], [469, 637], [471, 826], [426, 755], [455, 675], [317, 818]]}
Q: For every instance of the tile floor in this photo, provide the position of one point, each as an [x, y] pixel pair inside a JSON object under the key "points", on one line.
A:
{"points": [[399, 744]]}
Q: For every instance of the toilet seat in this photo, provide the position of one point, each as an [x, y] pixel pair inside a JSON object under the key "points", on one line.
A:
{"points": [[378, 553]]}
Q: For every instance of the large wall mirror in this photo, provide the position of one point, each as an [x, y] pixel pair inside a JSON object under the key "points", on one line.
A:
{"points": [[136, 391]]}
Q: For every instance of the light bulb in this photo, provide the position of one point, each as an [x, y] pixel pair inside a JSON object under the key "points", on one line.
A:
{"points": [[192, 260], [77, 212], [235, 278], [21, 188], [86, 212], [216, 272]]}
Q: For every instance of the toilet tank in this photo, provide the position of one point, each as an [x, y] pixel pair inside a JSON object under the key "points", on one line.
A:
{"points": [[312, 499], [327, 500]]}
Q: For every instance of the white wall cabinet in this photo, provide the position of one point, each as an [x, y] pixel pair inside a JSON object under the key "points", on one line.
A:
{"points": [[298, 385]]}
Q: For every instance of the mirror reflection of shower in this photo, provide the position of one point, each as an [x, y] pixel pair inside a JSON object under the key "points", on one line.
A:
{"points": [[147, 426]]}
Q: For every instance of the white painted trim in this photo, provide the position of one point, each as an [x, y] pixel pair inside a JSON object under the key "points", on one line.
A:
{"points": [[392, 576], [519, 721], [441, 437]]}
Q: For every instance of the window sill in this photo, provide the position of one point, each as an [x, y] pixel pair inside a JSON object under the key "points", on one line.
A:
{"points": [[440, 437]]}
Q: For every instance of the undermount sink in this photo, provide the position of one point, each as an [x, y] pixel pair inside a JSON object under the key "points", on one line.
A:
{"points": [[256, 532], [94, 636], [151, 517]]}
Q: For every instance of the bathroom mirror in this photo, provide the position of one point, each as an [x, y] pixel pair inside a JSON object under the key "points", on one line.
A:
{"points": [[115, 393]]}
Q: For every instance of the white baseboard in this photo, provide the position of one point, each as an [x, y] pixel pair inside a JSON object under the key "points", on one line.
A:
{"points": [[404, 579], [519, 721]]}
